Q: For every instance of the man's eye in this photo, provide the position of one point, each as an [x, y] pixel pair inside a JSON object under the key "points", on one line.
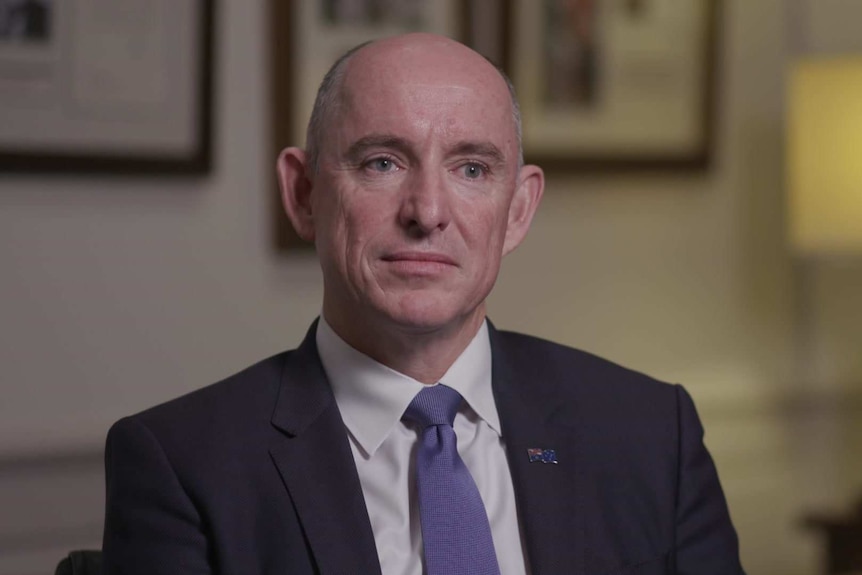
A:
{"points": [[473, 170], [381, 165]]}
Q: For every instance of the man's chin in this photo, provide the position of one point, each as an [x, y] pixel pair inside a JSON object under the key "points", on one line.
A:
{"points": [[424, 316]]}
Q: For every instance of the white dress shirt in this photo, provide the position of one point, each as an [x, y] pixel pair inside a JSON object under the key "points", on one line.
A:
{"points": [[372, 399]]}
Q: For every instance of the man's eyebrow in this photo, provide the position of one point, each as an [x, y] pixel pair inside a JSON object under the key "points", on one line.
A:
{"points": [[364, 143], [483, 149]]}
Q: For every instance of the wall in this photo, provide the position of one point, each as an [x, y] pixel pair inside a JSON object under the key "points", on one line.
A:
{"points": [[119, 292], [687, 278]]}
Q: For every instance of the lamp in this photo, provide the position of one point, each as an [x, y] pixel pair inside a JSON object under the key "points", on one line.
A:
{"points": [[824, 155], [824, 182]]}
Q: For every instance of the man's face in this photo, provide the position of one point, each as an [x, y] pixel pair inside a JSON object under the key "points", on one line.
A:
{"points": [[414, 193]]}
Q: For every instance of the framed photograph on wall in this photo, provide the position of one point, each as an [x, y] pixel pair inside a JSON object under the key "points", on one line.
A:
{"points": [[614, 84], [105, 85], [309, 35]]}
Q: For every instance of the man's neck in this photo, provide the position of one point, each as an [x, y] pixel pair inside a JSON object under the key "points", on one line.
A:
{"points": [[423, 354]]}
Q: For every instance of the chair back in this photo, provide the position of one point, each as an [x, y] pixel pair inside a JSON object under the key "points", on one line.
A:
{"points": [[81, 563]]}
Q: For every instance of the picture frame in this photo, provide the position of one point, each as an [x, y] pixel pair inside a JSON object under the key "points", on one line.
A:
{"points": [[611, 85], [309, 35], [106, 86]]}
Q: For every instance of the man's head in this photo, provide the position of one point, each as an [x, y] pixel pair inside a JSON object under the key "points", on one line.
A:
{"points": [[328, 96], [417, 188]]}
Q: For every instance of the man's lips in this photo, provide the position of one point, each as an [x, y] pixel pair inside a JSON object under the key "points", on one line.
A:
{"points": [[419, 257], [419, 264]]}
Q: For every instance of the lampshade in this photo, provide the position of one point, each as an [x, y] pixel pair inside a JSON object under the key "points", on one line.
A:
{"points": [[824, 155]]}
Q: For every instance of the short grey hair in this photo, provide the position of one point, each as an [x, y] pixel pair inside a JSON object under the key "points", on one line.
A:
{"points": [[329, 97]]}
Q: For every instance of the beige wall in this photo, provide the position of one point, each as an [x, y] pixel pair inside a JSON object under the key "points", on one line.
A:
{"points": [[118, 293]]}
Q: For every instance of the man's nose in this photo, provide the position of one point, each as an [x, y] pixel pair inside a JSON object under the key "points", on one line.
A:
{"points": [[426, 203]]}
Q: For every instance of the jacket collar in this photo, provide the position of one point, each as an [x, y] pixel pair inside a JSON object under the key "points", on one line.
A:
{"points": [[316, 465], [323, 488]]}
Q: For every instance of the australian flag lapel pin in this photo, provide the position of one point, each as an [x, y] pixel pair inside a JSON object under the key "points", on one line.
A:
{"points": [[542, 455]]}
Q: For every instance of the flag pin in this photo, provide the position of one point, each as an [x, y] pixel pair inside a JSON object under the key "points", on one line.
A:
{"points": [[542, 455]]}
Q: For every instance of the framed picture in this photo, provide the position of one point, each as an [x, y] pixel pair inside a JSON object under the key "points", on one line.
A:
{"points": [[309, 35], [614, 84], [118, 86]]}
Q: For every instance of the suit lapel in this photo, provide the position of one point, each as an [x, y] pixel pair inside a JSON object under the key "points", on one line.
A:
{"points": [[317, 468], [547, 495]]}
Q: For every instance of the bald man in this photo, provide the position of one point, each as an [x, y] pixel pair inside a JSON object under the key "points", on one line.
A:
{"points": [[413, 188]]}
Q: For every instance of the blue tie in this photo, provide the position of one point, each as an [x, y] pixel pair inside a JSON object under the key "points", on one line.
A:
{"points": [[456, 534]]}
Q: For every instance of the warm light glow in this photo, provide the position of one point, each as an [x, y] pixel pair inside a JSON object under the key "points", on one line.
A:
{"points": [[824, 155]]}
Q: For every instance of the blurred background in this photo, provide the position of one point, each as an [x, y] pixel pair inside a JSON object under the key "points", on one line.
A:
{"points": [[118, 292]]}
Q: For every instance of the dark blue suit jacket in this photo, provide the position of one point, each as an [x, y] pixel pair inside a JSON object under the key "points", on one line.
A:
{"points": [[255, 474]]}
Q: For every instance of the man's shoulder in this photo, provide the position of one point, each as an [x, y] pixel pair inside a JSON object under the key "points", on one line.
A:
{"points": [[223, 429], [246, 397], [576, 371]]}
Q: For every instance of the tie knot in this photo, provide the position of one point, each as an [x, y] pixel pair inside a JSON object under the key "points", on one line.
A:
{"points": [[435, 405]]}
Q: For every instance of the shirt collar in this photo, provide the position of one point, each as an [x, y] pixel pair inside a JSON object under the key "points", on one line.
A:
{"points": [[373, 397]]}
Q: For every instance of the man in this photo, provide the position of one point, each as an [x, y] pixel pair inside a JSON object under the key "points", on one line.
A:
{"points": [[315, 461]]}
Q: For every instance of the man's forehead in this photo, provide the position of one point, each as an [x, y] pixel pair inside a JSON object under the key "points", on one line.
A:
{"points": [[450, 113], [402, 89], [422, 60], [436, 96], [418, 95]]}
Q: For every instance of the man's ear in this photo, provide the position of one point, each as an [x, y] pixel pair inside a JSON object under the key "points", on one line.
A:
{"points": [[296, 188], [528, 193]]}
